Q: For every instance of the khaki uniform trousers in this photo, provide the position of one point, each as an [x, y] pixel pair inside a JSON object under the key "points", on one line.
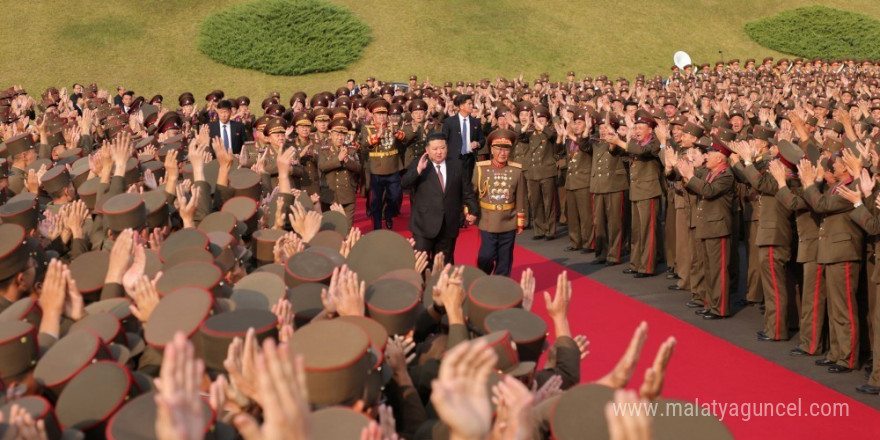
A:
{"points": [[541, 198], [645, 228], [842, 281], [683, 247], [775, 280], [717, 274], [812, 320], [669, 232], [754, 286], [608, 220], [579, 205], [874, 319]]}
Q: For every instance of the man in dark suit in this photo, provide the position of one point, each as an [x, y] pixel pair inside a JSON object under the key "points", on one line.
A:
{"points": [[230, 132], [440, 190], [464, 135], [127, 101], [117, 100], [76, 96]]}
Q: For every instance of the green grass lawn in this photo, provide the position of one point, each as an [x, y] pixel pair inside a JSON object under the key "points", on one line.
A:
{"points": [[150, 46]]}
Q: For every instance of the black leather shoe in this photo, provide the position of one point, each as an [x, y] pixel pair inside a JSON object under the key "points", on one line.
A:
{"points": [[838, 369], [571, 248], [763, 337], [643, 275], [825, 362], [868, 389], [672, 276], [538, 237], [549, 237], [388, 223], [612, 263], [598, 262], [628, 271], [694, 304], [701, 312], [713, 316], [676, 287], [799, 352]]}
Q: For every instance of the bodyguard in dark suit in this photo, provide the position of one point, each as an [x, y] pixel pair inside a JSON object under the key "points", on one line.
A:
{"points": [[230, 132], [440, 189], [117, 99], [464, 135]]}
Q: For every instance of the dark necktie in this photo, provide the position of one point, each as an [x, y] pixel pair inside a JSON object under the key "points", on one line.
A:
{"points": [[440, 176], [464, 136]]}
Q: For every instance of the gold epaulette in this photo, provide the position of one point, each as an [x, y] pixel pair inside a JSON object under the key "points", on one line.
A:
{"points": [[514, 164], [484, 162]]}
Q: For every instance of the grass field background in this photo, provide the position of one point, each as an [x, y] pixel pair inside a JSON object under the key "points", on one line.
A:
{"points": [[150, 46]]}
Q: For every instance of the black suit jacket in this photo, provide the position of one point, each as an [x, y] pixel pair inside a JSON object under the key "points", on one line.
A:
{"points": [[452, 130], [236, 132], [431, 206]]}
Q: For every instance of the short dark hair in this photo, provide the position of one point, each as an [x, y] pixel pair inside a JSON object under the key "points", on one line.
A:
{"points": [[351, 81], [461, 99], [227, 104], [437, 135]]}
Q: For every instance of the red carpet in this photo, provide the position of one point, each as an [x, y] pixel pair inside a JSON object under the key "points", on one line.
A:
{"points": [[703, 367]]}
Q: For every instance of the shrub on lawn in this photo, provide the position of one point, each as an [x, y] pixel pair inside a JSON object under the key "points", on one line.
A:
{"points": [[818, 31], [284, 37]]}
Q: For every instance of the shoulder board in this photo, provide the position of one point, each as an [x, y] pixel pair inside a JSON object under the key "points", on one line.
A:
{"points": [[514, 164], [484, 162], [325, 147]]}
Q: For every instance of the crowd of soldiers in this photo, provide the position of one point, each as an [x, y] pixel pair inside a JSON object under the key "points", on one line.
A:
{"points": [[159, 282]]}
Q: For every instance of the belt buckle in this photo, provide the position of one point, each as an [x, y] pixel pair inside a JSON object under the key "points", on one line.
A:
{"points": [[499, 207]]}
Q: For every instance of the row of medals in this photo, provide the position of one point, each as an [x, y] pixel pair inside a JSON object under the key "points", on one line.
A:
{"points": [[500, 191]]}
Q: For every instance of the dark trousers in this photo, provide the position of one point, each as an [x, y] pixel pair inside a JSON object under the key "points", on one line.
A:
{"points": [[468, 161], [496, 252], [443, 242], [384, 190]]}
